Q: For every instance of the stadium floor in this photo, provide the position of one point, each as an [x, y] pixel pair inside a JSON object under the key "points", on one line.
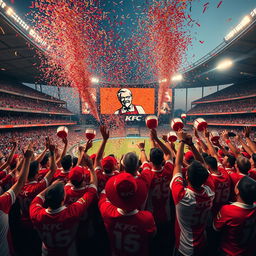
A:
{"points": [[117, 146]]}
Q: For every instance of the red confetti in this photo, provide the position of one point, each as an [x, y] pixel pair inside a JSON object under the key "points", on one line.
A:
{"points": [[219, 4]]}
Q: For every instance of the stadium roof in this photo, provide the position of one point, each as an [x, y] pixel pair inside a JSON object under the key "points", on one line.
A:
{"points": [[17, 59], [239, 46]]}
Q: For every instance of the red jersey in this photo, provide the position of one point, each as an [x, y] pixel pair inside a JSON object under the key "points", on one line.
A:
{"points": [[3, 174], [230, 170], [26, 196], [62, 175], [252, 173], [73, 194], [57, 228], [103, 177], [238, 222], [234, 177], [6, 201], [222, 186], [129, 233], [159, 193], [192, 212], [42, 173]]}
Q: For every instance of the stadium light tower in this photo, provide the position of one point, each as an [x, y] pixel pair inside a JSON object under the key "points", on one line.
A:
{"points": [[177, 78], [225, 64], [95, 80]]}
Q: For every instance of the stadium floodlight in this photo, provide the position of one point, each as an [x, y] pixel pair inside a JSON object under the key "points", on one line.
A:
{"points": [[177, 78], [9, 11], [225, 64], [95, 80]]}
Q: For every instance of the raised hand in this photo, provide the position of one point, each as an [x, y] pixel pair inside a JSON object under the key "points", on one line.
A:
{"points": [[153, 134], [141, 145], [164, 137], [104, 132], [206, 133], [88, 145]]}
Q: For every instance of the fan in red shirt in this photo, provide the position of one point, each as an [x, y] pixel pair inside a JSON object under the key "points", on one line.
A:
{"points": [[31, 242], [158, 201], [107, 167], [45, 166], [57, 225], [62, 173], [237, 221], [252, 172], [243, 166], [7, 200], [193, 203], [128, 228], [76, 187], [219, 176]]}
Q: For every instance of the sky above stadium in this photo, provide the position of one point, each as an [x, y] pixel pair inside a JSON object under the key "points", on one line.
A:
{"points": [[214, 22], [211, 21]]}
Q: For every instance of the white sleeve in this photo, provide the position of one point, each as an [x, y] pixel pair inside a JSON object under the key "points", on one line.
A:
{"points": [[140, 110]]}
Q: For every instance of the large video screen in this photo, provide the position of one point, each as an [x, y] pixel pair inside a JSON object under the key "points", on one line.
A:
{"points": [[166, 107], [85, 104], [127, 101]]}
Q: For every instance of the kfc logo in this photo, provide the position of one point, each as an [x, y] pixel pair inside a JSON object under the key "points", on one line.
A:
{"points": [[133, 118]]}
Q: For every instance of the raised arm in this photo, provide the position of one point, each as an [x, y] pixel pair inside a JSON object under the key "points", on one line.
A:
{"points": [[212, 150], [24, 172], [230, 144], [143, 156], [53, 166], [201, 142], [251, 144], [10, 157], [64, 151], [105, 137], [180, 153], [41, 156], [89, 164], [166, 150], [244, 145]]}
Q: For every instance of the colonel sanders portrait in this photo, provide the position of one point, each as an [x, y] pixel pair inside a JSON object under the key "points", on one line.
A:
{"points": [[125, 98]]}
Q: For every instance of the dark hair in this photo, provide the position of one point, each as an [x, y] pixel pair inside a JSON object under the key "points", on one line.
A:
{"points": [[75, 160], [247, 189], [45, 159], [55, 196], [33, 169], [156, 156], [131, 162], [243, 164], [197, 174], [254, 157], [66, 162], [76, 183], [204, 155], [231, 160], [212, 162]]}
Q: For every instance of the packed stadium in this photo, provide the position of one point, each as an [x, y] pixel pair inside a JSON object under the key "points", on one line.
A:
{"points": [[127, 128]]}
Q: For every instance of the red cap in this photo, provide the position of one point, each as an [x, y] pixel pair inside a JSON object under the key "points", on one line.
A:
{"points": [[76, 174], [221, 153], [108, 163], [188, 156], [245, 154], [123, 191]]}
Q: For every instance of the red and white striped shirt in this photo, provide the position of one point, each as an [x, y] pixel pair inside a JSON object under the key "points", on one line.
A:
{"points": [[192, 212]]}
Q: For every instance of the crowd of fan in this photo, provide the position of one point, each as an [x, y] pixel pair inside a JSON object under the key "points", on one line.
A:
{"points": [[28, 119], [201, 202], [24, 90], [241, 119], [227, 106], [18, 102], [233, 91]]}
